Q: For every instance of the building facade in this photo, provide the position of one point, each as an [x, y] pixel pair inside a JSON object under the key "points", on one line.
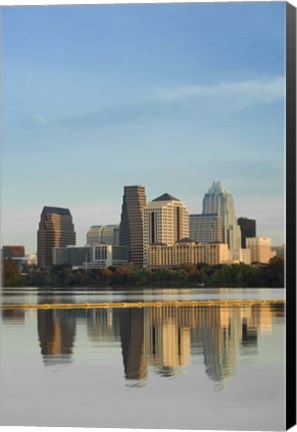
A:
{"points": [[72, 255], [105, 256], [240, 256], [56, 229], [205, 228], [13, 251], [166, 220], [248, 229], [218, 200], [185, 252], [131, 225], [260, 249], [99, 256], [108, 234], [245, 256]]}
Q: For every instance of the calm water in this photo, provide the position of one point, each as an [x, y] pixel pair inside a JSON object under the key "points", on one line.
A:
{"points": [[217, 365]]}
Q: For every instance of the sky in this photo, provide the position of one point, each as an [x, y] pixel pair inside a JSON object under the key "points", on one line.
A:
{"points": [[168, 96]]}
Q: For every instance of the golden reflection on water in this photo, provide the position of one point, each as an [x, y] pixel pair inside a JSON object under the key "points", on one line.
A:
{"points": [[163, 339]]}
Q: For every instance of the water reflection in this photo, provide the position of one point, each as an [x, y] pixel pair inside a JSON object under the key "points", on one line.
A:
{"points": [[17, 316], [56, 332], [133, 345], [165, 340]]}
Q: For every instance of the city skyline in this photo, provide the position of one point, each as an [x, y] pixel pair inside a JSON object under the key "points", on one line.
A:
{"points": [[99, 101], [83, 241]]}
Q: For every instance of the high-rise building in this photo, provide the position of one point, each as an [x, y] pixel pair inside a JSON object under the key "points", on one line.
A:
{"points": [[56, 229], [166, 220], [248, 229], [218, 200], [131, 226], [206, 228], [108, 234], [260, 248]]}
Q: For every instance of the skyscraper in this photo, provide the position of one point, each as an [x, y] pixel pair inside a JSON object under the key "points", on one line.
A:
{"points": [[131, 226], [56, 229], [248, 229], [166, 220], [218, 200], [206, 228]]}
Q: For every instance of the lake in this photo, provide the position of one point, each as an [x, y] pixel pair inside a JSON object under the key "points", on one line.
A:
{"points": [[155, 358]]}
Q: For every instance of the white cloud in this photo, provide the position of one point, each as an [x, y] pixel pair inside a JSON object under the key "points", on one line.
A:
{"points": [[225, 97]]}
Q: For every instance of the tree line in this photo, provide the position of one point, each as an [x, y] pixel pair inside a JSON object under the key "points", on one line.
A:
{"points": [[187, 275]]}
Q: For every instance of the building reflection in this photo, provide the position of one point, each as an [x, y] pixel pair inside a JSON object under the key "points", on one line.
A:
{"points": [[17, 316], [132, 341], [167, 339], [102, 325], [56, 332], [173, 334], [163, 339]]}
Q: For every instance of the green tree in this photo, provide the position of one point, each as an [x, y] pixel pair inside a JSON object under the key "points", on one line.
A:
{"points": [[274, 272], [11, 275]]}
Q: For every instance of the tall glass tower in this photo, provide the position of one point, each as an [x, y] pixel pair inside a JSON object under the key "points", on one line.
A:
{"points": [[56, 229], [218, 200], [131, 226], [248, 229]]}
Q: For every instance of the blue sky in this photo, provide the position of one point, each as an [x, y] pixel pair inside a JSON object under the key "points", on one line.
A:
{"points": [[168, 96]]}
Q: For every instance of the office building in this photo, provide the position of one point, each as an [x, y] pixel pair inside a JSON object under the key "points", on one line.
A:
{"points": [[72, 255], [105, 256], [248, 229], [245, 256], [218, 200], [166, 220], [91, 257], [13, 251], [108, 234], [56, 229], [240, 256], [206, 228], [185, 252], [131, 225], [16, 254], [260, 248]]}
